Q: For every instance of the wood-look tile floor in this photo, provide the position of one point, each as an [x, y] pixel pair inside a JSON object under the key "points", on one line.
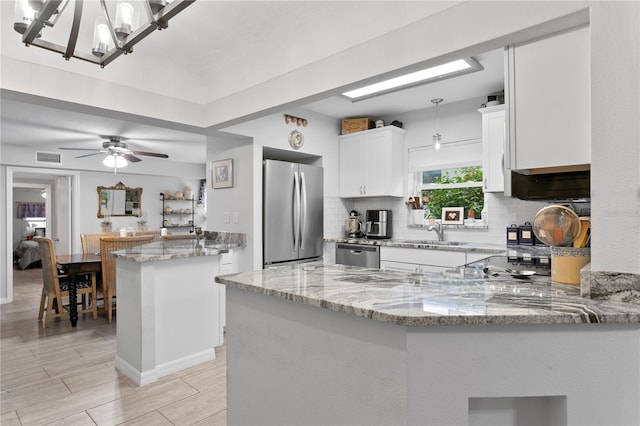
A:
{"points": [[66, 376]]}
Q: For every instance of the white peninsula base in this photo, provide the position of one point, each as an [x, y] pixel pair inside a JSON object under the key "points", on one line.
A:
{"points": [[292, 363], [170, 315]]}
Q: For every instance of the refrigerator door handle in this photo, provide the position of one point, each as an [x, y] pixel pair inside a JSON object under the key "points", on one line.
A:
{"points": [[296, 210], [303, 211]]}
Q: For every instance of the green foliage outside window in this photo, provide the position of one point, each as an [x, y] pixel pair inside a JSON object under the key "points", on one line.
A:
{"points": [[471, 198]]}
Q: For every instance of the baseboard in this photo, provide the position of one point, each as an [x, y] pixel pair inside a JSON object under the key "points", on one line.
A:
{"points": [[138, 377], [143, 378], [186, 362]]}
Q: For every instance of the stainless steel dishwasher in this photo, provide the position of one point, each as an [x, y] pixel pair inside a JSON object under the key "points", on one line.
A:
{"points": [[358, 255]]}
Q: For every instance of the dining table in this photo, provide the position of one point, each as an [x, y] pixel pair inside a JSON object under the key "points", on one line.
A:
{"points": [[77, 264]]}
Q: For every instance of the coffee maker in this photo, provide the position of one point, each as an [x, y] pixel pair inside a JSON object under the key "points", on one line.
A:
{"points": [[378, 223], [354, 225]]}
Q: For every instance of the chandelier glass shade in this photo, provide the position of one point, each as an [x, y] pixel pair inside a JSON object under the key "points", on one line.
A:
{"points": [[133, 21]]}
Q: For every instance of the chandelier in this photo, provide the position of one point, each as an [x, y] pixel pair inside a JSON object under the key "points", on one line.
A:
{"points": [[110, 38]]}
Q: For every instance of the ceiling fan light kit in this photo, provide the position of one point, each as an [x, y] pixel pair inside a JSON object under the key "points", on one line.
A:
{"points": [[110, 39], [118, 153]]}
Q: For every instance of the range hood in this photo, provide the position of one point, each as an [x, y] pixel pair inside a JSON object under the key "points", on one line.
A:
{"points": [[552, 186]]}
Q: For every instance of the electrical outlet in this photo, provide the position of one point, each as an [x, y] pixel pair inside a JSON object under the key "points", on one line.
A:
{"points": [[236, 217], [226, 217]]}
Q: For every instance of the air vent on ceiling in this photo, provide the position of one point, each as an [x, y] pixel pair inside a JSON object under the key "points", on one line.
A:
{"points": [[48, 157]]}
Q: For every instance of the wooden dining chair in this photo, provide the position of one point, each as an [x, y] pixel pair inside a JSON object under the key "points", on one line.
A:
{"points": [[179, 237], [107, 246], [91, 242], [56, 285]]}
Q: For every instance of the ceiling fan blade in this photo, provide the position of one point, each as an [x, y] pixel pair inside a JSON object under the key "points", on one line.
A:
{"points": [[151, 154], [88, 155], [131, 158], [80, 149]]}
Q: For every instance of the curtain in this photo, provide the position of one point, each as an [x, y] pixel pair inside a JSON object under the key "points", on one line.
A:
{"points": [[31, 210]]}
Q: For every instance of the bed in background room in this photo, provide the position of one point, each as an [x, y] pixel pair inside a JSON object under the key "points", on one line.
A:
{"points": [[26, 253]]}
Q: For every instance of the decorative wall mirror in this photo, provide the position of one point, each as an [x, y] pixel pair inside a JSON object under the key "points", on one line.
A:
{"points": [[119, 200]]}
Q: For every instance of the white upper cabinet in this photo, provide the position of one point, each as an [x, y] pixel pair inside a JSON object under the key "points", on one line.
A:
{"points": [[372, 163], [548, 91], [493, 138]]}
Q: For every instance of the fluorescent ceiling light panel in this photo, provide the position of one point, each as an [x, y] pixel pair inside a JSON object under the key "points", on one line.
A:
{"points": [[450, 69]]}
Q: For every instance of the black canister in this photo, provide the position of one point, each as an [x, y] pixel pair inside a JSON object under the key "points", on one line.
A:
{"points": [[512, 235], [525, 234]]}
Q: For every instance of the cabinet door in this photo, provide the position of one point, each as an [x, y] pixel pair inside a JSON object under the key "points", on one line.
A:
{"points": [[379, 165], [493, 137], [371, 163], [352, 166], [386, 265], [549, 93], [442, 258], [432, 268]]}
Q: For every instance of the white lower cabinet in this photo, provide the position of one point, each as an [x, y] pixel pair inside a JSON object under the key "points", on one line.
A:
{"points": [[419, 260], [228, 265]]}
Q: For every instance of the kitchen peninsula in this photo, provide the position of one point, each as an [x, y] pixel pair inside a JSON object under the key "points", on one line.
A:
{"points": [[170, 311], [334, 344]]}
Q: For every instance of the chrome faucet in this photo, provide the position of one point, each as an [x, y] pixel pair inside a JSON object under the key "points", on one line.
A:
{"points": [[438, 228]]}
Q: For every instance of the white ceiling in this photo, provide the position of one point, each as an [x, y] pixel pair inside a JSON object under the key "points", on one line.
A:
{"points": [[239, 45]]}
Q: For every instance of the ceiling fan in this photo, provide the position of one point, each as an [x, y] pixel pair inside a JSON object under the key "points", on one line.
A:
{"points": [[118, 154]]}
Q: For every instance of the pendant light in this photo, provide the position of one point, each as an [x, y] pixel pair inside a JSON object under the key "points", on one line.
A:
{"points": [[437, 138]]}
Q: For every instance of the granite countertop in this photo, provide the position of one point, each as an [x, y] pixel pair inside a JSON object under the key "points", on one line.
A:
{"points": [[424, 244], [462, 296], [215, 243]]}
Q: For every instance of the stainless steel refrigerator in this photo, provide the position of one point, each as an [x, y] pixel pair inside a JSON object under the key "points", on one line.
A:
{"points": [[292, 226]]}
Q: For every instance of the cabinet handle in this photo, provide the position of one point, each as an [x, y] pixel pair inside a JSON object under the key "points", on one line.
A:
{"points": [[364, 189], [485, 184]]}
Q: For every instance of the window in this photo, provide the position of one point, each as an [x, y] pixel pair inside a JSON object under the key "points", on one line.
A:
{"points": [[455, 187]]}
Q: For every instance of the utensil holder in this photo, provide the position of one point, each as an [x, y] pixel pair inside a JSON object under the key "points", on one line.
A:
{"points": [[566, 263], [416, 216]]}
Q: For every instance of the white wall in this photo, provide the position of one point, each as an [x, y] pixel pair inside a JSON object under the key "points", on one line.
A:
{"points": [[224, 203], [151, 186]]}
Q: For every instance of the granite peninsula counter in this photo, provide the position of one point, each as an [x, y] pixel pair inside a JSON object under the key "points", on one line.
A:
{"points": [[334, 344], [171, 313]]}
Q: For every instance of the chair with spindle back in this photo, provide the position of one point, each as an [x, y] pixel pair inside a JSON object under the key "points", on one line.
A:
{"points": [[56, 285], [107, 246]]}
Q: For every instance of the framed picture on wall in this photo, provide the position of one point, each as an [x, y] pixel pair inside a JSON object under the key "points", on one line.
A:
{"points": [[222, 174], [452, 215]]}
